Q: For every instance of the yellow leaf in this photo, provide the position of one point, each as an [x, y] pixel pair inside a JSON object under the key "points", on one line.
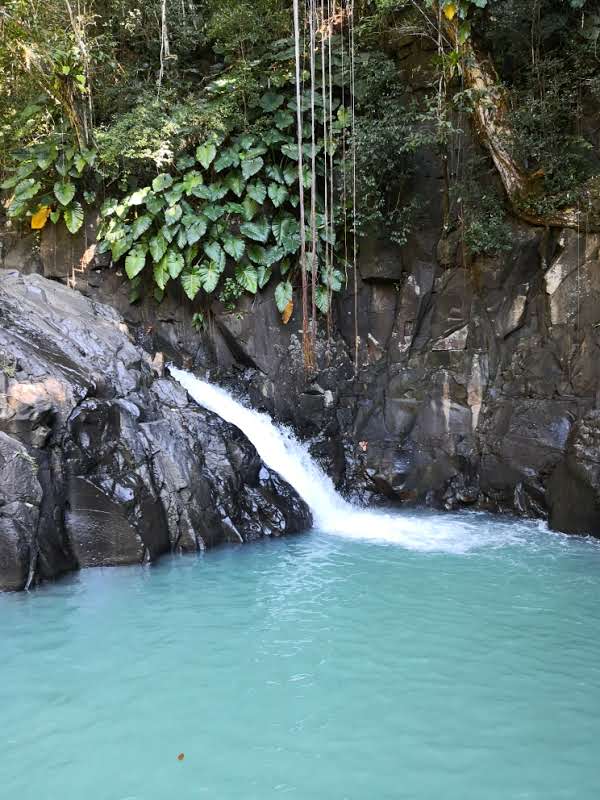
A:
{"points": [[40, 218], [287, 312], [450, 10]]}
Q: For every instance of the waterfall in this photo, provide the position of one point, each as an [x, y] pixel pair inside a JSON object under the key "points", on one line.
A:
{"points": [[283, 453]]}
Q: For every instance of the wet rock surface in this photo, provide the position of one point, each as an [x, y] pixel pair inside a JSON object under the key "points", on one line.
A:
{"points": [[103, 460], [477, 385]]}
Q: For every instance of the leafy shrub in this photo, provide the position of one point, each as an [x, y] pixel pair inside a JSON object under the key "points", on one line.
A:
{"points": [[52, 181], [229, 207]]}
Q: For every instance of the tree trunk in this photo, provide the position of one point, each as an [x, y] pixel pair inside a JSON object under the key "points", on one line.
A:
{"points": [[490, 110]]}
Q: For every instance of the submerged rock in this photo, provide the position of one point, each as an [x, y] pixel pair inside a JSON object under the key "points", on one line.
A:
{"points": [[102, 461]]}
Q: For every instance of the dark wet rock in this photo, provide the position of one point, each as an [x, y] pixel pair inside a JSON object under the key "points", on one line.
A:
{"points": [[102, 461]]}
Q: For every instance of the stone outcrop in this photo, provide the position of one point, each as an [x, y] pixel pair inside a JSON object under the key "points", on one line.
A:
{"points": [[103, 460], [477, 384]]}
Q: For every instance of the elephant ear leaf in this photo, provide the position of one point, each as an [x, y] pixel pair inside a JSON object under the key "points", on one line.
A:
{"points": [[234, 247], [277, 194], [209, 275], [264, 274], [247, 277], [283, 295], [64, 191], [73, 217], [191, 282], [206, 153], [322, 299], [251, 166], [135, 261], [258, 229]]}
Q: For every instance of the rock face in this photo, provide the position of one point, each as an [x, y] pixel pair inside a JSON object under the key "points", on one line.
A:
{"points": [[102, 460], [478, 384]]}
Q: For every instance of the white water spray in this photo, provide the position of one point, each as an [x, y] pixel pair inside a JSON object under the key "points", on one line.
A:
{"points": [[283, 453]]}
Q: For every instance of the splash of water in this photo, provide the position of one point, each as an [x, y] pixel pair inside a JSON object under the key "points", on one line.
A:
{"points": [[283, 453]]}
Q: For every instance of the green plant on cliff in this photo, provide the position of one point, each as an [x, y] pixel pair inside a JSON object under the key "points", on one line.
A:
{"points": [[225, 214], [53, 180]]}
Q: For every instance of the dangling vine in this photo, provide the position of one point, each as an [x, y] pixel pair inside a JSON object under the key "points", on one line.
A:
{"points": [[305, 336]]}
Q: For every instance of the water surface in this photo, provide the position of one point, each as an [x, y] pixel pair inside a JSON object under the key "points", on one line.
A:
{"points": [[315, 667]]}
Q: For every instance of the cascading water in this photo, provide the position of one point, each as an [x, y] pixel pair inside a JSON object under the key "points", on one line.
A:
{"points": [[283, 453]]}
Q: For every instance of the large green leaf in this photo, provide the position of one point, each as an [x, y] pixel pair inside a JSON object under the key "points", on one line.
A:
{"points": [[264, 275], [206, 153], [161, 272], [258, 230], [181, 237], [215, 253], [247, 277], [290, 150], [109, 207], [257, 191], [46, 156], [283, 119], [251, 166], [161, 182], [191, 180], [191, 282], [169, 232], [120, 247], [64, 192], [136, 260], [234, 247], [287, 233], [322, 299], [175, 263], [275, 173], [173, 214], [158, 247], [73, 217], [196, 230], [138, 197], [153, 203], [213, 212], [277, 194], [257, 253], [141, 225], [290, 174], [273, 136], [174, 194], [234, 181], [273, 255], [227, 158], [209, 275], [28, 188], [334, 279], [271, 101], [283, 295], [250, 208]]}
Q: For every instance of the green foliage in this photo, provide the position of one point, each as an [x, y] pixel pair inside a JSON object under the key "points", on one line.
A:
{"points": [[225, 215], [487, 231], [391, 134], [51, 180], [247, 27]]}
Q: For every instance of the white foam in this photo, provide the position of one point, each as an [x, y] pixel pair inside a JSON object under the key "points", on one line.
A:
{"points": [[283, 453]]}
